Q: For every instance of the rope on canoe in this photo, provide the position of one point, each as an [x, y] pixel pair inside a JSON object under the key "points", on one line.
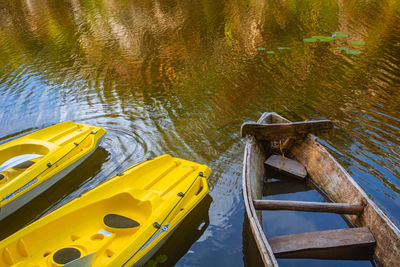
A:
{"points": [[283, 156]]}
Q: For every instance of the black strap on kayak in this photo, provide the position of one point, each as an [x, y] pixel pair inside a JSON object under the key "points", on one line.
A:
{"points": [[75, 146]]}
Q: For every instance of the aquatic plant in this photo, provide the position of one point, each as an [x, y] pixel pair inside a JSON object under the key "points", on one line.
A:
{"points": [[324, 38], [319, 38], [339, 35], [159, 259], [352, 52], [310, 40], [358, 43], [349, 51]]}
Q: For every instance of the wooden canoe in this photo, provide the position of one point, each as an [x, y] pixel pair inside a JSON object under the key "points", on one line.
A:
{"points": [[372, 235]]}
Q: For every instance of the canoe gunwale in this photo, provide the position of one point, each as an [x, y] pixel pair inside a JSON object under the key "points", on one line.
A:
{"points": [[255, 219], [334, 181], [346, 190]]}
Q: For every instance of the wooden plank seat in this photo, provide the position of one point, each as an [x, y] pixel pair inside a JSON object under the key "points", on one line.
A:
{"points": [[287, 166], [341, 208], [345, 244]]}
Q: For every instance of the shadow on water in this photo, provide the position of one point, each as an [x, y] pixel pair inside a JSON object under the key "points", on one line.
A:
{"points": [[52, 196], [251, 255], [187, 233]]}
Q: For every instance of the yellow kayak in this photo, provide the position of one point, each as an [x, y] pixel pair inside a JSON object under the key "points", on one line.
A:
{"points": [[31, 164], [122, 222]]}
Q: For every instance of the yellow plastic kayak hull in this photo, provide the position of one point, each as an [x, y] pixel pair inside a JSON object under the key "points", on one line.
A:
{"points": [[52, 153], [119, 223]]}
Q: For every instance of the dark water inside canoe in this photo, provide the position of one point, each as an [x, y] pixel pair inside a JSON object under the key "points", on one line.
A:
{"points": [[180, 77]]}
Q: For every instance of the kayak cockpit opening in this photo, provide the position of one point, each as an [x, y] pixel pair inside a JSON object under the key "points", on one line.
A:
{"points": [[16, 159], [14, 166], [119, 221], [65, 255]]}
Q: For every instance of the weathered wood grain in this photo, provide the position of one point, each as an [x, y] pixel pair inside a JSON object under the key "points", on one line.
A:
{"points": [[284, 130], [341, 208], [330, 176], [253, 174], [352, 243], [287, 166]]}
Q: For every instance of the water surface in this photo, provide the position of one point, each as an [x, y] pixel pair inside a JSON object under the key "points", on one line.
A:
{"points": [[179, 77]]}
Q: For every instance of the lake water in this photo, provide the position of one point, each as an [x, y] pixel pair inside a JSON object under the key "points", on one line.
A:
{"points": [[180, 77]]}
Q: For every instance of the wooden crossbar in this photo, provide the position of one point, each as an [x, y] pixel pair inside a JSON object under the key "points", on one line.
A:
{"points": [[277, 131], [341, 208], [352, 243]]}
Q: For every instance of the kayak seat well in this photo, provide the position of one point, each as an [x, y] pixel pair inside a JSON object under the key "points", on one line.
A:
{"points": [[119, 221], [24, 165], [23, 156], [17, 165], [65, 255]]}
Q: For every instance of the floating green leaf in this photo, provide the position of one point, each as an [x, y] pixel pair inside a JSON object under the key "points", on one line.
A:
{"points": [[261, 48], [283, 48], [319, 38], [310, 40], [358, 43], [326, 39], [352, 52], [343, 48], [398, 44], [270, 52], [339, 35], [161, 258]]}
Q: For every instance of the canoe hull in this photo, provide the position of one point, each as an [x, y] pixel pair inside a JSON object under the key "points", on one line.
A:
{"points": [[252, 181], [341, 187], [331, 178]]}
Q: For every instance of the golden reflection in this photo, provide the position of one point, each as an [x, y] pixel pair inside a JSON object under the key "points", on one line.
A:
{"points": [[179, 77], [203, 56]]}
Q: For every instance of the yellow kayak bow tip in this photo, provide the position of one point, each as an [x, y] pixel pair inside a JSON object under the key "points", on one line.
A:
{"points": [[122, 222], [31, 164]]}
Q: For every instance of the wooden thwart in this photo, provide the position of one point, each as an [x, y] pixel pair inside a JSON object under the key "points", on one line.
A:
{"points": [[341, 208], [279, 131], [352, 243], [287, 166]]}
